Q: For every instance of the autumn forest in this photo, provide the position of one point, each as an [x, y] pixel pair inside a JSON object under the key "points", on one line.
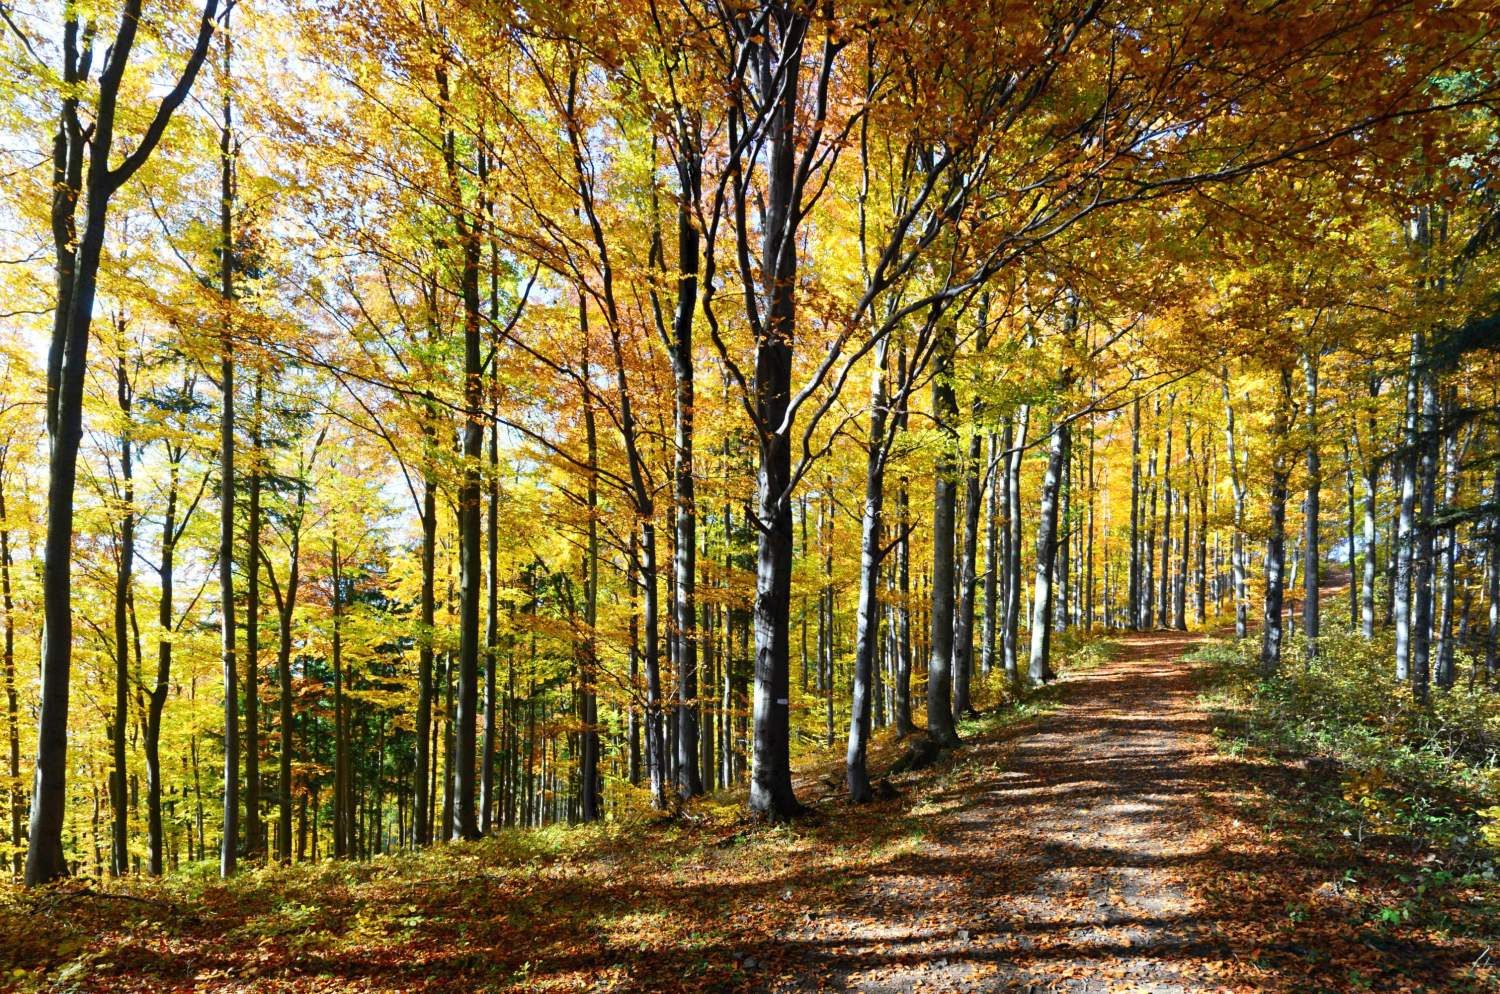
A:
{"points": [[680, 494]]}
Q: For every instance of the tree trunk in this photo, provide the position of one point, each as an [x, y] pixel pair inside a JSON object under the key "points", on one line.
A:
{"points": [[8, 663], [771, 794], [78, 257], [992, 568], [1040, 669], [1442, 673], [590, 786], [689, 777], [120, 847], [1311, 511], [1422, 572], [867, 634], [425, 761], [963, 634], [253, 848], [1239, 579], [1402, 549], [1012, 635], [1133, 605], [1163, 618], [1271, 626], [1492, 639], [229, 847], [945, 497]]}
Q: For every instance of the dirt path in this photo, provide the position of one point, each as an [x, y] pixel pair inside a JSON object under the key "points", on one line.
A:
{"points": [[1062, 860]]}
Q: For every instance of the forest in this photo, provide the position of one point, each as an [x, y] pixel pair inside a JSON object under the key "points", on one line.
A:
{"points": [[755, 495]]}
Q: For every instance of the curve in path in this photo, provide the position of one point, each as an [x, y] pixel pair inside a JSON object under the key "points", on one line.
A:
{"points": [[1056, 861]]}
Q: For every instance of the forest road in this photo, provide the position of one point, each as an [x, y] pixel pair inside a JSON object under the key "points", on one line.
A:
{"points": [[1063, 858]]}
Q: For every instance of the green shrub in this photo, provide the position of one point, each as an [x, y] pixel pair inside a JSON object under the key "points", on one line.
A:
{"points": [[1432, 772]]}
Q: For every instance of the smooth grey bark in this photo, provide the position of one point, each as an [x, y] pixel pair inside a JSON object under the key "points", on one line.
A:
{"points": [[1442, 671], [1271, 626], [1185, 547], [1133, 606], [8, 664], [1238, 572], [471, 567], [1039, 669], [902, 688], [689, 778], [491, 734], [992, 549], [229, 843], [1088, 569], [1311, 510], [777, 77], [591, 788], [253, 847], [425, 761], [1369, 470], [1011, 635], [1492, 638], [867, 634], [940, 724], [1163, 616], [963, 634], [1148, 507], [1403, 547], [124, 579], [1422, 565]]}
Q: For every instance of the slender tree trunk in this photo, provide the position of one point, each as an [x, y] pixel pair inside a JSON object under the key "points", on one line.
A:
{"points": [[945, 496], [1492, 639], [1421, 642], [867, 634], [1237, 552], [1271, 622], [425, 761], [229, 848], [8, 664], [1012, 634], [1040, 670], [1442, 673], [1133, 607], [120, 841], [992, 567], [590, 786], [1163, 618], [1406, 517], [253, 848], [492, 558], [963, 634], [633, 719], [341, 792], [1270, 652], [1311, 511], [903, 720], [1371, 476], [689, 777]]}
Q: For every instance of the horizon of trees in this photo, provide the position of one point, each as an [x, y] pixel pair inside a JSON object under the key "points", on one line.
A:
{"points": [[416, 422]]}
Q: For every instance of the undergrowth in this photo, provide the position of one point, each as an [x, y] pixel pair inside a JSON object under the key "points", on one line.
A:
{"points": [[1430, 772], [1398, 801]]}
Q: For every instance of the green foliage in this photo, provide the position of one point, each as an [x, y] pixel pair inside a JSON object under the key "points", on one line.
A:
{"points": [[1430, 772]]}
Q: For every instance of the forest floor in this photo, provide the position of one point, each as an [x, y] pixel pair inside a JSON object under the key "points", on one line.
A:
{"points": [[1099, 838]]}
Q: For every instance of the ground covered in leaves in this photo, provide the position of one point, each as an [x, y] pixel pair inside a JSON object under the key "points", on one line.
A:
{"points": [[1097, 837]]}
